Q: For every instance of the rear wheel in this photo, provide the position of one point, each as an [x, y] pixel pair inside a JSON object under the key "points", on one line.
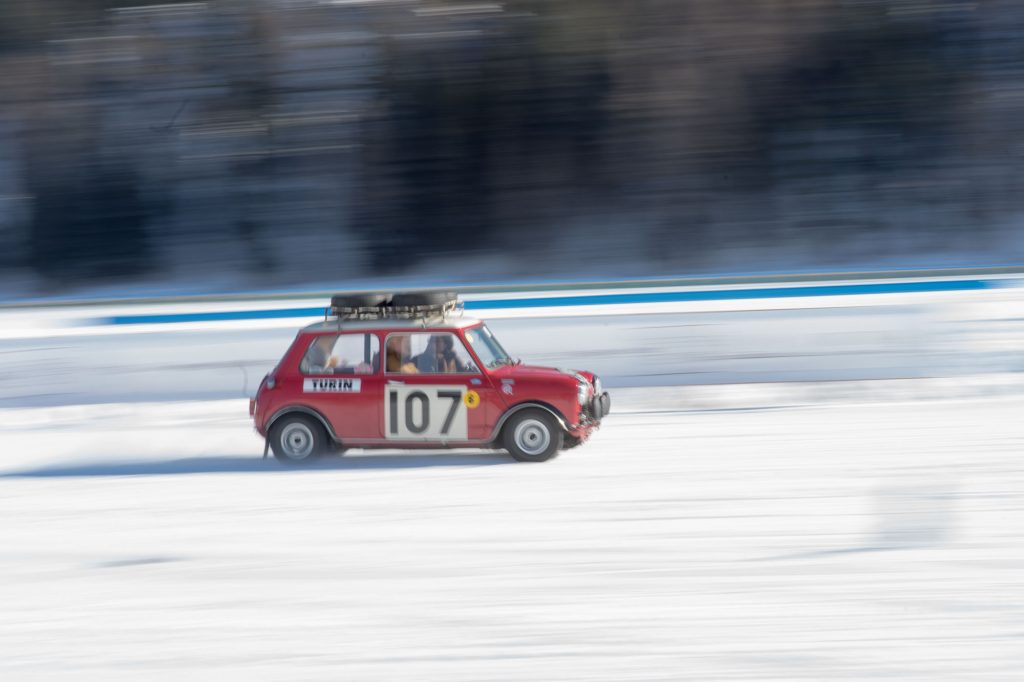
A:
{"points": [[297, 439], [532, 436]]}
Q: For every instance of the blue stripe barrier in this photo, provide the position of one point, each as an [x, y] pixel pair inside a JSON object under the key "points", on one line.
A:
{"points": [[731, 294], [585, 300], [225, 316]]}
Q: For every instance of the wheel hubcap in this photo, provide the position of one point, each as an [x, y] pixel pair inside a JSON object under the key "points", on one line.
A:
{"points": [[297, 441], [532, 436]]}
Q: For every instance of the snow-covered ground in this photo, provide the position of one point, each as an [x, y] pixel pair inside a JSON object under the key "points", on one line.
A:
{"points": [[854, 541], [801, 488]]}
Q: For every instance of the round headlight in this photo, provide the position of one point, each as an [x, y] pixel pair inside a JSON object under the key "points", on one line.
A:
{"points": [[597, 385], [581, 392]]}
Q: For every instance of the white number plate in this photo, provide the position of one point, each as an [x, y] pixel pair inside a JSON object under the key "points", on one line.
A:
{"points": [[425, 412]]}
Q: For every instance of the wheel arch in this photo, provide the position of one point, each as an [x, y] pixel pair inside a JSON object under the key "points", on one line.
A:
{"points": [[309, 412], [532, 404]]}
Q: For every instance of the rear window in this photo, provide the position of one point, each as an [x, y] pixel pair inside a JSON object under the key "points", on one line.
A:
{"points": [[342, 354]]}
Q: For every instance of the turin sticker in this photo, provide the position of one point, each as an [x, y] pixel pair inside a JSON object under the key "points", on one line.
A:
{"points": [[336, 385]]}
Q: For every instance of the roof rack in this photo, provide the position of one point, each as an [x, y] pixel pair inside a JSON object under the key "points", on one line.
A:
{"points": [[412, 305]]}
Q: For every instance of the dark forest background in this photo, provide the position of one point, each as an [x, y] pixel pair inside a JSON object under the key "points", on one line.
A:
{"points": [[287, 141]]}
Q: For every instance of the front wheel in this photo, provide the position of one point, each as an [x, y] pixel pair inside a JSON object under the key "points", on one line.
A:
{"points": [[532, 436], [296, 439]]}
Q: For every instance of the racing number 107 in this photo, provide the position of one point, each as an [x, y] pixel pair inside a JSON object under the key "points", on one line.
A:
{"points": [[422, 414]]}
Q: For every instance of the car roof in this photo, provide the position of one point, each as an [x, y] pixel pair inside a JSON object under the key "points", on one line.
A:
{"points": [[391, 323]]}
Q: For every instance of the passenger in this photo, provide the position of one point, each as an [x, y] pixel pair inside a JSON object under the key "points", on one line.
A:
{"points": [[397, 355]]}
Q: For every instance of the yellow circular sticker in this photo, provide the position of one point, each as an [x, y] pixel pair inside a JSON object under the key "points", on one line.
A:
{"points": [[472, 399]]}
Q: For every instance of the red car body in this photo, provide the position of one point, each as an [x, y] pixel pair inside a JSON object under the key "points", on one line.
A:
{"points": [[378, 408]]}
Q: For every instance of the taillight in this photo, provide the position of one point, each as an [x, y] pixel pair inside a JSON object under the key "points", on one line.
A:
{"points": [[270, 381]]}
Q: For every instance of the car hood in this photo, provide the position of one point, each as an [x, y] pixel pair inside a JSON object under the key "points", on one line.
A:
{"points": [[534, 372]]}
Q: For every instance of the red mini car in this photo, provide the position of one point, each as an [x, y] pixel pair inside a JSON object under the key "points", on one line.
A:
{"points": [[408, 371]]}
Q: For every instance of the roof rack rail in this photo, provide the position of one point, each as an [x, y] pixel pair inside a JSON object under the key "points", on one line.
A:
{"points": [[412, 305]]}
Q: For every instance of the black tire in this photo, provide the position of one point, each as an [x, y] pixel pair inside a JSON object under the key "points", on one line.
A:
{"points": [[297, 439], [532, 435], [358, 300], [413, 299]]}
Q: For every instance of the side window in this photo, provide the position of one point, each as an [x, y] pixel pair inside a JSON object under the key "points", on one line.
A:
{"points": [[342, 354], [425, 353]]}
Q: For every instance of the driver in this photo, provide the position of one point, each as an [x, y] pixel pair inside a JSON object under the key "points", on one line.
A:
{"points": [[439, 356], [427, 360], [447, 360]]}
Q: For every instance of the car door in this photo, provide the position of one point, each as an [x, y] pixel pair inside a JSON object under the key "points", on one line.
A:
{"points": [[427, 401], [342, 380]]}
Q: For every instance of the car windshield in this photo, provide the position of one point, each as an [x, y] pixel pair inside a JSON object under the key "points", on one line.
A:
{"points": [[487, 347]]}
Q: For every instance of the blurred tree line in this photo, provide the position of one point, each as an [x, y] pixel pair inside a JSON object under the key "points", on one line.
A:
{"points": [[296, 139]]}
